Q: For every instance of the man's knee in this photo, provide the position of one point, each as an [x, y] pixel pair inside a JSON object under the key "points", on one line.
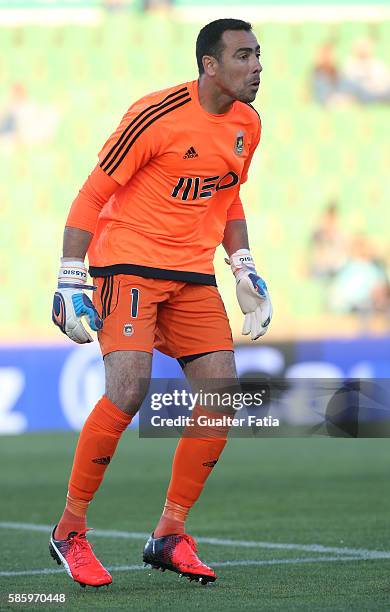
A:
{"points": [[126, 398], [127, 379]]}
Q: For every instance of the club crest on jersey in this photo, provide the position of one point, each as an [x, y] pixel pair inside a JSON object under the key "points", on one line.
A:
{"points": [[128, 329], [239, 146]]}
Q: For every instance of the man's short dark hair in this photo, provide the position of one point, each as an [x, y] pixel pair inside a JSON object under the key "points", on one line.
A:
{"points": [[209, 41]]}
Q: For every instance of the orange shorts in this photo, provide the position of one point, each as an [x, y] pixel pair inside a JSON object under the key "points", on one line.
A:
{"points": [[176, 318]]}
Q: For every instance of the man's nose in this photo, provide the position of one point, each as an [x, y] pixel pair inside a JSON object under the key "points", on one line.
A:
{"points": [[257, 67]]}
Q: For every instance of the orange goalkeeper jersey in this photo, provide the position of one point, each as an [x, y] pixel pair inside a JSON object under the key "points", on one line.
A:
{"points": [[179, 170]]}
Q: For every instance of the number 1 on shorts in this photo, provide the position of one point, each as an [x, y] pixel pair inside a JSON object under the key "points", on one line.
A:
{"points": [[134, 303]]}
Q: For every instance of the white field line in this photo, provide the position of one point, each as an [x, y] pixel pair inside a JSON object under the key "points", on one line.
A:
{"points": [[361, 553], [234, 563]]}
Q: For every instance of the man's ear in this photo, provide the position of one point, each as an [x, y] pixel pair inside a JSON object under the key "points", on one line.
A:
{"points": [[210, 65]]}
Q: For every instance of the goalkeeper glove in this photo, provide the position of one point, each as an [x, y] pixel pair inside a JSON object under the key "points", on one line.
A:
{"points": [[252, 294], [70, 303]]}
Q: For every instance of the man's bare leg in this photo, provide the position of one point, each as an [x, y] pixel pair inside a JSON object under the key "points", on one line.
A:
{"points": [[194, 458], [196, 454], [100, 435], [127, 379], [127, 373]]}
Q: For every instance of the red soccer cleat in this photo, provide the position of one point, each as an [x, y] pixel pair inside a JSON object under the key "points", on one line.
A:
{"points": [[76, 555], [178, 554]]}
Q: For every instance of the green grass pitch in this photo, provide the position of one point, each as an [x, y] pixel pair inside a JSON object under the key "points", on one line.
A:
{"points": [[263, 496]]}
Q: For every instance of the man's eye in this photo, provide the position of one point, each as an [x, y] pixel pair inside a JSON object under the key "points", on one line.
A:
{"points": [[244, 56]]}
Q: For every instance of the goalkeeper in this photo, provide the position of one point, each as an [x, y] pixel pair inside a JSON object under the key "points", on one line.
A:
{"points": [[163, 196]]}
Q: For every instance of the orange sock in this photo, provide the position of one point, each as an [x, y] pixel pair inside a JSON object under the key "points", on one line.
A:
{"points": [[95, 448], [194, 459], [72, 519], [172, 519]]}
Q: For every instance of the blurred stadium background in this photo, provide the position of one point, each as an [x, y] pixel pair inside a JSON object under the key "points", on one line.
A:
{"points": [[317, 204]]}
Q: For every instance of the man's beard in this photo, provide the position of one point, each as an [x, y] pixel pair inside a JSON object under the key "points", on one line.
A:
{"points": [[246, 97]]}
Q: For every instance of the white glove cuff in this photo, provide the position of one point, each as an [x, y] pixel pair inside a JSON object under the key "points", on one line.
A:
{"points": [[73, 272], [241, 262]]}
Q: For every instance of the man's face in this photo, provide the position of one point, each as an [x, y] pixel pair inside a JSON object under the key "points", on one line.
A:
{"points": [[238, 71]]}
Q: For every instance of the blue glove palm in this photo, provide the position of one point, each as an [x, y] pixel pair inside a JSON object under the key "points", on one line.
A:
{"points": [[252, 294], [70, 304], [255, 303]]}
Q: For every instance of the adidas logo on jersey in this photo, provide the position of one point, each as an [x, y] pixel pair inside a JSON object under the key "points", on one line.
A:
{"points": [[190, 153]]}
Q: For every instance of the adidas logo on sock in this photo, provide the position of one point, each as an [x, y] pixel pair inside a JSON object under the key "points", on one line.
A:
{"points": [[102, 460], [210, 464], [190, 153]]}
